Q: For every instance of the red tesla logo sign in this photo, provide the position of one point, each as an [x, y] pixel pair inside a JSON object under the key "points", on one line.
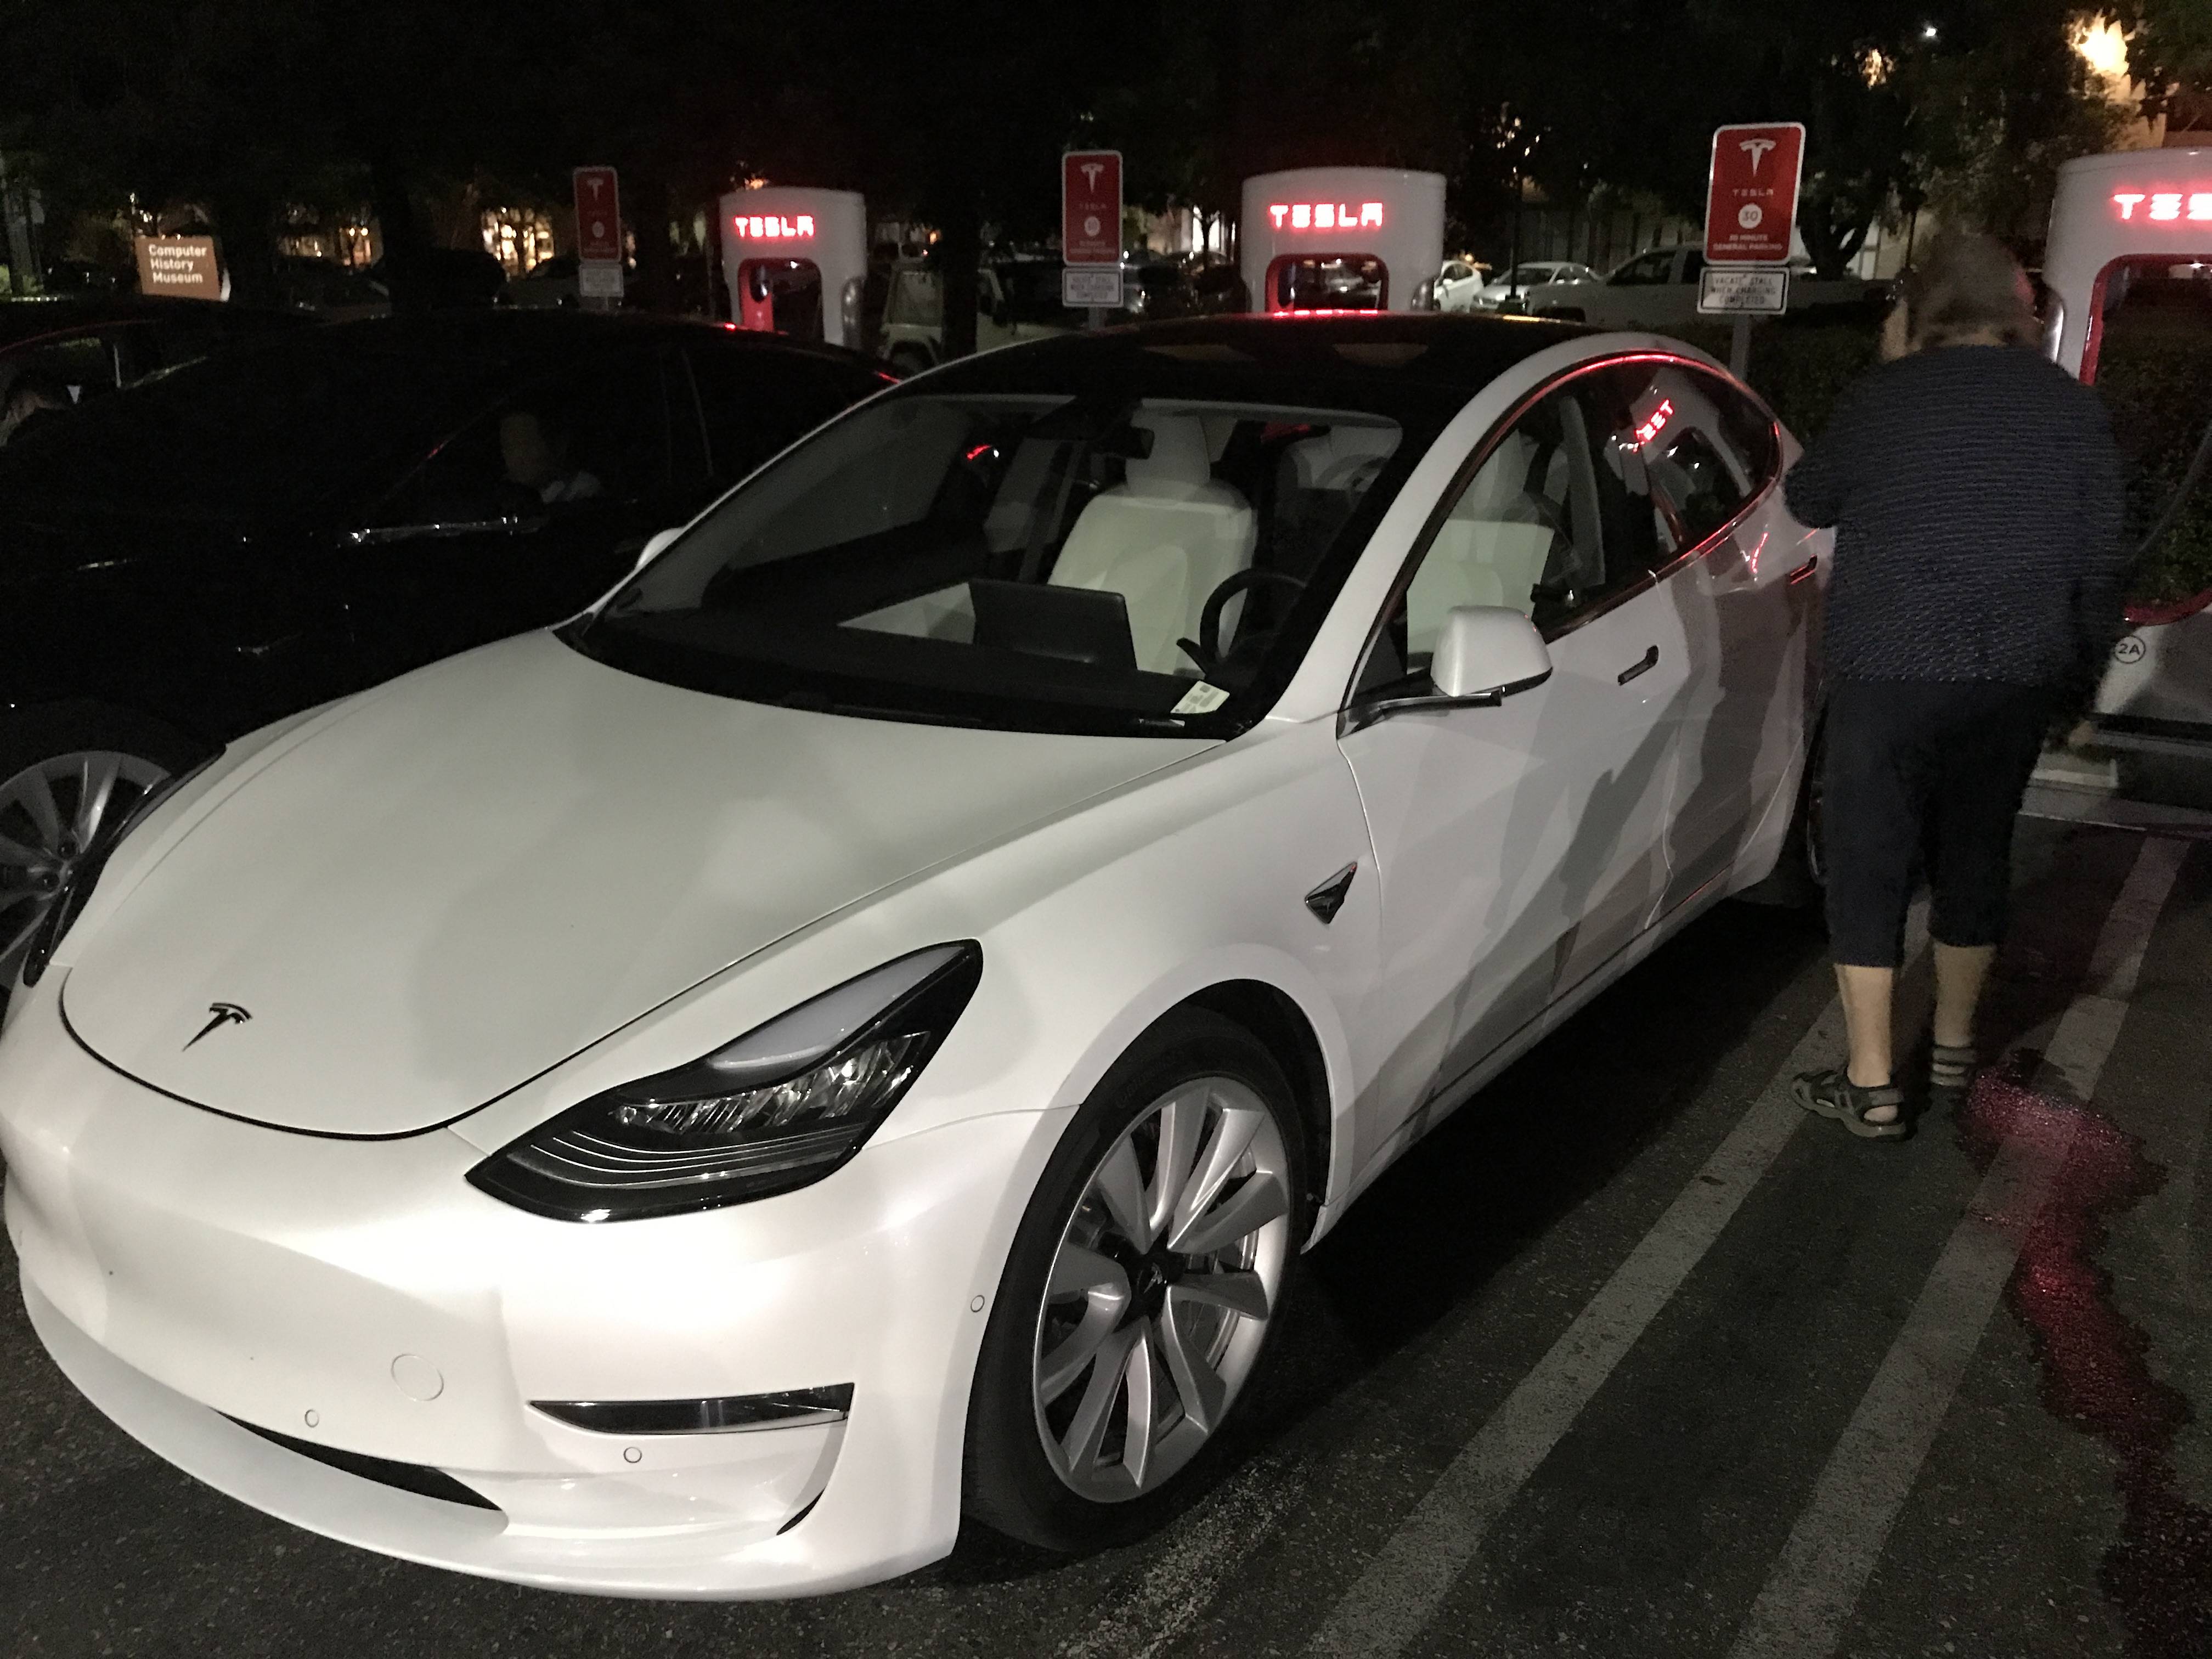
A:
{"points": [[1751, 197], [1090, 207], [2163, 205], [1325, 215], [599, 215], [774, 226]]}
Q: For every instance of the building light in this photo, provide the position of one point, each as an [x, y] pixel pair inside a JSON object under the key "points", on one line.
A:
{"points": [[2103, 46], [1325, 215]]}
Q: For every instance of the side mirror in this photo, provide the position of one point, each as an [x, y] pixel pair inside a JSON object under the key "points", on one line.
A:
{"points": [[651, 550], [1487, 653]]}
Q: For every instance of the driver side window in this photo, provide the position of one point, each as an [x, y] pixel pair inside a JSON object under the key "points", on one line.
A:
{"points": [[597, 433], [1557, 521]]}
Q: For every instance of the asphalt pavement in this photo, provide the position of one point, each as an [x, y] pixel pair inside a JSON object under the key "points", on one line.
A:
{"points": [[1629, 1357]]}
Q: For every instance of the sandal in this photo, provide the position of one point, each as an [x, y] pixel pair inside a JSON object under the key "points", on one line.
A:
{"points": [[1951, 1072], [1832, 1094]]}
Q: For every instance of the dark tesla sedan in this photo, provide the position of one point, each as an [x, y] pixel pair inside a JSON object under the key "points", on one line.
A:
{"points": [[92, 344], [258, 532]]}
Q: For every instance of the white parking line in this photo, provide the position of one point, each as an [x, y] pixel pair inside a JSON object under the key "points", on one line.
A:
{"points": [[1408, 1579], [1832, 1550]]}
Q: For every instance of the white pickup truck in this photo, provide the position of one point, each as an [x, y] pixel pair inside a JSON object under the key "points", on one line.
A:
{"points": [[1658, 289]]}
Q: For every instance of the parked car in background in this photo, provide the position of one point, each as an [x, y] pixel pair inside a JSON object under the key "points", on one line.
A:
{"points": [[550, 282], [94, 345], [1455, 286], [1017, 300], [1517, 289], [440, 278], [1208, 289], [1658, 289], [87, 276], [187, 560], [333, 292]]}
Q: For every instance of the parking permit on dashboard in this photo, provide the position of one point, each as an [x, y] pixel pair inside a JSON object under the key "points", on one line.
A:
{"points": [[1200, 699]]}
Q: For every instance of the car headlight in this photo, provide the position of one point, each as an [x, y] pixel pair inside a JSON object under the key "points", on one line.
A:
{"points": [[75, 891], [778, 1108]]}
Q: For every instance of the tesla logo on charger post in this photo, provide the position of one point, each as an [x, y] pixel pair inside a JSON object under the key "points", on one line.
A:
{"points": [[2166, 205], [1325, 215], [224, 1013], [774, 226], [1756, 149]]}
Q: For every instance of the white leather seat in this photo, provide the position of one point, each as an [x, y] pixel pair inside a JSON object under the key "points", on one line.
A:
{"points": [[1481, 556], [1163, 540], [1343, 457]]}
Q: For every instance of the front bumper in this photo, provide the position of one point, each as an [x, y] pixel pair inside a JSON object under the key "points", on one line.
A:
{"points": [[183, 1268]]}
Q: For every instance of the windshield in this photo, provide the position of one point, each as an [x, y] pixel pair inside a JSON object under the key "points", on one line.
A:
{"points": [[1060, 551]]}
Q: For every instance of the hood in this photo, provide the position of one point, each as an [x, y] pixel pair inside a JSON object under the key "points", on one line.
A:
{"points": [[487, 867]]}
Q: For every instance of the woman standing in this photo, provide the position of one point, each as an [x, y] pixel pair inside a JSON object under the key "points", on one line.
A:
{"points": [[1976, 496]]}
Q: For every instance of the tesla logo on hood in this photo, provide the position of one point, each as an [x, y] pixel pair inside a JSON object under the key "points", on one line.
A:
{"points": [[224, 1013]]}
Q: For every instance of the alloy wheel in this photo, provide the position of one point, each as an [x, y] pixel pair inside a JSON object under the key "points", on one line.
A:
{"points": [[50, 814], [1160, 1293]]}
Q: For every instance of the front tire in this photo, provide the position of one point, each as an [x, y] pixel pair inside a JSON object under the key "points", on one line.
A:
{"points": [[69, 776], [1142, 1291]]}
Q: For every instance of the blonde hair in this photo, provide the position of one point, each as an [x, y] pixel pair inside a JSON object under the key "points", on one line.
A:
{"points": [[1968, 287]]}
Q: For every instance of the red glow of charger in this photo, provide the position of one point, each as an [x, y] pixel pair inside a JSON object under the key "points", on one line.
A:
{"points": [[774, 226], [2164, 205], [1657, 422], [1325, 215]]}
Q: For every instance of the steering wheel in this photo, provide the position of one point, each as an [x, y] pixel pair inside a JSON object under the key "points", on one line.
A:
{"points": [[1206, 650]]}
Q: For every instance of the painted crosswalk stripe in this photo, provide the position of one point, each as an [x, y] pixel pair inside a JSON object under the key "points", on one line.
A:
{"points": [[1408, 1579], [1815, 1584]]}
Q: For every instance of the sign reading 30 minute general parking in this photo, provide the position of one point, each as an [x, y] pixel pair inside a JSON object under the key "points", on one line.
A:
{"points": [[1750, 195]]}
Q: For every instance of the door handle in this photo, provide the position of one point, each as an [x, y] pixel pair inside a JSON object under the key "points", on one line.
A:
{"points": [[1804, 571], [1643, 664]]}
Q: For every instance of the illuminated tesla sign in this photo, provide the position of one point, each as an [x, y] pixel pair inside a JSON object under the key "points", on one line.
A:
{"points": [[1656, 423], [2164, 205], [774, 226], [1325, 215]]}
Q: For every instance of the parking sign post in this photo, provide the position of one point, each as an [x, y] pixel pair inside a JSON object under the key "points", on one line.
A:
{"points": [[1091, 231], [599, 238], [1751, 208]]}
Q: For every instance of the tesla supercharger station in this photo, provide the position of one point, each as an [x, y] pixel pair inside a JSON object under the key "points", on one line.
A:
{"points": [[2114, 215], [796, 260], [1340, 239]]}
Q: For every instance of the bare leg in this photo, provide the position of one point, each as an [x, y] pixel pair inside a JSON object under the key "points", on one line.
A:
{"points": [[1959, 971], [1866, 998]]}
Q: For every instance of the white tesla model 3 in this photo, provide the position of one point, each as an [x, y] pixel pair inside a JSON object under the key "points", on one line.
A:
{"points": [[859, 1026]]}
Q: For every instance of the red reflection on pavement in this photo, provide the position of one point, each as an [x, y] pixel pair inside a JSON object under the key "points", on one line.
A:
{"points": [[2095, 1365]]}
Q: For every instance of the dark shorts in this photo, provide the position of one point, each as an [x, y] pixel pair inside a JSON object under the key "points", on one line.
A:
{"points": [[1924, 774]]}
